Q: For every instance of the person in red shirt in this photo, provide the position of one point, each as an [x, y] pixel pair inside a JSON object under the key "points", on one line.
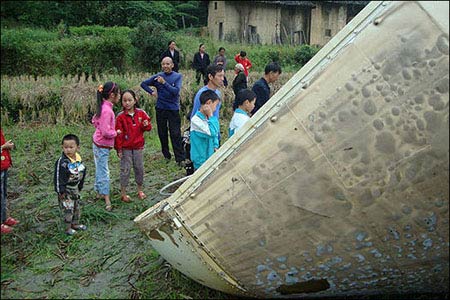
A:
{"points": [[241, 58], [6, 163], [131, 123]]}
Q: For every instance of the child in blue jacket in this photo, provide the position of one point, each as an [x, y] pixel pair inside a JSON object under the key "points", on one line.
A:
{"points": [[205, 129]]}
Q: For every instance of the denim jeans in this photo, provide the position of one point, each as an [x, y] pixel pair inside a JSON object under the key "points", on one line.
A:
{"points": [[3, 192], [102, 182]]}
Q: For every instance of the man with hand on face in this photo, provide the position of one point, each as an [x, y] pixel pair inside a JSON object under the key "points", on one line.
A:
{"points": [[168, 86]]}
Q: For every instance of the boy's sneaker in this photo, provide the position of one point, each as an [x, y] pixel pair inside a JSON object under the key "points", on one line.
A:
{"points": [[11, 222], [6, 229], [70, 231]]}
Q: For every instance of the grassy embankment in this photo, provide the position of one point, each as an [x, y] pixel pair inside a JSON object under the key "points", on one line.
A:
{"points": [[112, 259]]}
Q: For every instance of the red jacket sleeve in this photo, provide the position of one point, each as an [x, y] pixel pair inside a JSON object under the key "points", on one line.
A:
{"points": [[120, 136], [149, 125], [249, 64]]}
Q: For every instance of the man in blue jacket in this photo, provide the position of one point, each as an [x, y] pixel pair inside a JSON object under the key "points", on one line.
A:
{"points": [[168, 86]]}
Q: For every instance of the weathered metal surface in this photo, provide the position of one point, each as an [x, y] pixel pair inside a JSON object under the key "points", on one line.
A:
{"points": [[339, 184]]}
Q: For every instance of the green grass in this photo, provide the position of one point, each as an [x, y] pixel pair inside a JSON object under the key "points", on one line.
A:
{"points": [[112, 259]]}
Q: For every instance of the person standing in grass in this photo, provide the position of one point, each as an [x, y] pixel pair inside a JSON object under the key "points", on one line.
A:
{"points": [[200, 63], [6, 163], [173, 53], [68, 180], [220, 59], [205, 129], [168, 86], [242, 106], [239, 81], [241, 58], [215, 75], [131, 123], [103, 138], [261, 86]]}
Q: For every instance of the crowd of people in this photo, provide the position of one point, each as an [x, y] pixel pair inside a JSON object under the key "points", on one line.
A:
{"points": [[125, 132]]}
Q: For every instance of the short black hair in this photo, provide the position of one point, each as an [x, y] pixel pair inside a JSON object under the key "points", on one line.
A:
{"points": [[170, 42], [243, 95], [272, 67], [208, 95], [71, 137], [213, 70], [243, 54], [221, 48]]}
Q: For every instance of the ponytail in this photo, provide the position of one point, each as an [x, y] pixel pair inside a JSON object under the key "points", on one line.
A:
{"points": [[103, 92]]}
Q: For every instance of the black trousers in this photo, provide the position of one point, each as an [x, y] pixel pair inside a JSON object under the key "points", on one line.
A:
{"points": [[169, 121], [200, 73]]}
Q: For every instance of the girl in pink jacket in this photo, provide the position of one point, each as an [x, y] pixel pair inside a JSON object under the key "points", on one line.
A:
{"points": [[103, 138]]}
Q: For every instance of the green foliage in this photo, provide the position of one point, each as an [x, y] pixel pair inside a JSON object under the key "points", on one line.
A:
{"points": [[97, 49], [150, 41], [48, 14], [305, 53], [89, 50]]}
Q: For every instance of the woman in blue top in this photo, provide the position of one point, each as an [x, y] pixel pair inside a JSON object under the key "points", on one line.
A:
{"points": [[243, 105]]}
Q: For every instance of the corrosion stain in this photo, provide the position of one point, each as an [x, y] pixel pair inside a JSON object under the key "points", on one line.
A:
{"points": [[310, 286], [154, 234], [169, 231]]}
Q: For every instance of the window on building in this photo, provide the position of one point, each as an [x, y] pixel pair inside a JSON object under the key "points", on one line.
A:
{"points": [[220, 31], [215, 5], [328, 32], [252, 34]]}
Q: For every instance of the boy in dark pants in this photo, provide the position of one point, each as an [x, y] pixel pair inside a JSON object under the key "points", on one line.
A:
{"points": [[68, 180]]}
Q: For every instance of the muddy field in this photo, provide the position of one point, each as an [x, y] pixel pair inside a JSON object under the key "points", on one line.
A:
{"points": [[112, 259]]}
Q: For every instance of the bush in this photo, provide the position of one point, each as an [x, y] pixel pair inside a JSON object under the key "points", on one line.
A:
{"points": [[305, 53], [150, 40], [90, 50]]}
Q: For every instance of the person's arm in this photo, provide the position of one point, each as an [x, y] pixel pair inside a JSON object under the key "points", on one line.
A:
{"points": [[107, 124], [120, 134], [214, 128], [61, 176], [196, 64], [236, 58], [146, 84], [207, 61], [249, 64], [259, 91], [174, 89], [81, 183], [146, 124]]}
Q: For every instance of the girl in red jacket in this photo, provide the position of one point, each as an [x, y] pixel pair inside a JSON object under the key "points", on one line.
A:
{"points": [[131, 123], [6, 163]]}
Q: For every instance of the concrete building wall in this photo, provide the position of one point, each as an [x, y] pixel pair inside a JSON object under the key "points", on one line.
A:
{"points": [[294, 25], [326, 21], [273, 24]]}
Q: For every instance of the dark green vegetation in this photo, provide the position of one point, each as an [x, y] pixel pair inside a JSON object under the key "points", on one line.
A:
{"points": [[48, 14], [112, 259], [95, 49]]}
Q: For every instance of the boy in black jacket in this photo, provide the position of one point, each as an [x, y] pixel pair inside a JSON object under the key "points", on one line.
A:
{"points": [[68, 180]]}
